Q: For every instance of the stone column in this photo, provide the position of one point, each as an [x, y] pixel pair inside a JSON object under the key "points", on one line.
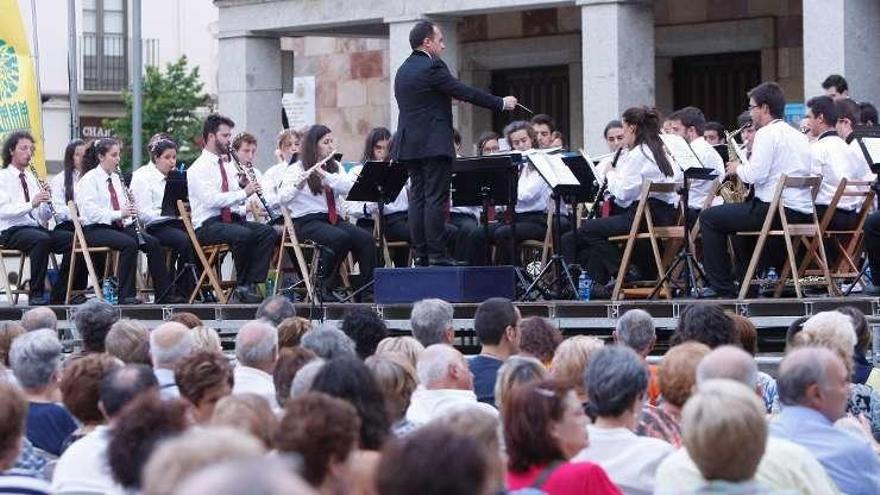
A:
{"points": [[249, 88], [617, 39], [841, 37]]}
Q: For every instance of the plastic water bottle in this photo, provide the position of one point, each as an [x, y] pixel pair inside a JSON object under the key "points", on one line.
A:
{"points": [[868, 275], [107, 291], [585, 286], [270, 284], [772, 276]]}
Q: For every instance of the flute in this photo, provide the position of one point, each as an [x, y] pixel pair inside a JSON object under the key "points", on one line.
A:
{"points": [[305, 177], [44, 186], [248, 171]]}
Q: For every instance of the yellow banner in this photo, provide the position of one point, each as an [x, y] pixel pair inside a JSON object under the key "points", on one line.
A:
{"points": [[19, 98]]}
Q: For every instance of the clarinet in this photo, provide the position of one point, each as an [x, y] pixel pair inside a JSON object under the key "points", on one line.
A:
{"points": [[44, 186], [248, 172], [129, 197], [600, 195]]}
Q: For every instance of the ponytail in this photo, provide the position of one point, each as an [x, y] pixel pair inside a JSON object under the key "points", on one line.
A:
{"points": [[647, 131]]}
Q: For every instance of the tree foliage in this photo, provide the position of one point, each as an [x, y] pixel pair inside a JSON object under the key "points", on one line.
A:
{"points": [[171, 100]]}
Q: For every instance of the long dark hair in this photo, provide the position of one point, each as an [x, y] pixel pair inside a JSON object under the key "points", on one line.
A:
{"points": [[11, 142], [309, 156], [375, 135], [95, 150], [70, 168], [647, 122]]}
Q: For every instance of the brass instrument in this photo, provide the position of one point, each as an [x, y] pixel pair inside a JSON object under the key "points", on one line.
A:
{"points": [[732, 188], [600, 195], [248, 171], [129, 197], [44, 186]]}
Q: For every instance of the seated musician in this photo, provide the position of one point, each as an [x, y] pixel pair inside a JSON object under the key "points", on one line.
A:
{"points": [[148, 187], [244, 145], [777, 149], [217, 195], [714, 133], [24, 212], [614, 139], [643, 158], [288, 143], [110, 220], [312, 189], [690, 124], [545, 131], [62, 186]]}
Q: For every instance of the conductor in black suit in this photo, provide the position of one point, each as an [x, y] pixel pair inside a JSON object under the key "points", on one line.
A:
{"points": [[424, 89]]}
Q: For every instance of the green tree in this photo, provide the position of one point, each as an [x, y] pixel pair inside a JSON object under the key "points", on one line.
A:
{"points": [[171, 99]]}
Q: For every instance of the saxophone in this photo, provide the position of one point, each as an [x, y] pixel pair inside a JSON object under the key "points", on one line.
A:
{"points": [[732, 188]]}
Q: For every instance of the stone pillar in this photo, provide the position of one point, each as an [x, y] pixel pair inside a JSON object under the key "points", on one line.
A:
{"points": [[841, 37], [249, 88], [617, 39]]}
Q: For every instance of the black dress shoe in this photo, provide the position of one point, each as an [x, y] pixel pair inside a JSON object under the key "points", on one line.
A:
{"points": [[444, 261], [172, 299], [130, 301], [246, 295], [38, 301], [420, 261], [327, 295], [710, 293]]}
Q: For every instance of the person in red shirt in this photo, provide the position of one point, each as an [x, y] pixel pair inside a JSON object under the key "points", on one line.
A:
{"points": [[544, 427]]}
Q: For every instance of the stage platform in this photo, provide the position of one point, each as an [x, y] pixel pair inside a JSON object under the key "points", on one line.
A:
{"points": [[771, 316]]}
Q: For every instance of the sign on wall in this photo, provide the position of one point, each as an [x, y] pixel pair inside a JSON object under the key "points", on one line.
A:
{"points": [[299, 105]]}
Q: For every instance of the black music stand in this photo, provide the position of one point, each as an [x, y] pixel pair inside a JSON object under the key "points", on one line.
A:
{"points": [[685, 256], [175, 189], [487, 181], [875, 167], [380, 183]]}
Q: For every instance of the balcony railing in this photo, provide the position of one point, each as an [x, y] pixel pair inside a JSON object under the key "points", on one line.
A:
{"points": [[105, 61]]}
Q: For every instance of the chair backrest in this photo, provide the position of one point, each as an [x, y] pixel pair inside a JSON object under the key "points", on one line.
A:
{"points": [[850, 189], [185, 217], [288, 225], [77, 226]]}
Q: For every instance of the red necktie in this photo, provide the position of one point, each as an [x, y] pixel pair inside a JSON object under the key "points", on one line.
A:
{"points": [[27, 194], [490, 213], [225, 212], [114, 200], [332, 214]]}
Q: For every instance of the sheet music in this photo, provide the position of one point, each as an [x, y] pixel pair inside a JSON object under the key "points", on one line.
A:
{"points": [[592, 165], [553, 169], [872, 145], [681, 151]]}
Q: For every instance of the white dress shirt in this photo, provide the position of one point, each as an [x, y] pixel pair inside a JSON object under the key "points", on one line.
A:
{"points": [[58, 195], [93, 198], [271, 182], [428, 404], [167, 383], [254, 381], [14, 209], [699, 190], [834, 160], [634, 167], [83, 467], [630, 460], [204, 181], [532, 191], [301, 201], [778, 148], [148, 189]]}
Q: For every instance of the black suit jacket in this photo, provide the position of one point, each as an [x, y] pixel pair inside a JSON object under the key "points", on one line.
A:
{"points": [[424, 89]]}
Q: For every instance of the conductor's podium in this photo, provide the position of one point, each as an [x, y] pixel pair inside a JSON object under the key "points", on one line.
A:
{"points": [[455, 284]]}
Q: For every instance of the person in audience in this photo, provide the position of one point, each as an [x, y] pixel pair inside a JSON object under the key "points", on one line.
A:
{"points": [[706, 323], [93, 320], [291, 330], [290, 361], [136, 433], [36, 360], [862, 369], [539, 338], [617, 383], [328, 342], [445, 382], [366, 328], [410, 466], [80, 388], [729, 363], [516, 372], [249, 413], [813, 388], [570, 363], [275, 309], [431, 322], [174, 460], [13, 413], [635, 329], [324, 431], [266, 476], [9, 330], [203, 378], [406, 346], [206, 339], [748, 339], [397, 381], [544, 427], [486, 428], [256, 348], [676, 376], [84, 466], [302, 382], [170, 342], [129, 341], [190, 320], [39, 317], [495, 324]]}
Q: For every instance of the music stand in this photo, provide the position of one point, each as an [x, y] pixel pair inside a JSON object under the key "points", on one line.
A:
{"points": [[874, 162], [175, 189]]}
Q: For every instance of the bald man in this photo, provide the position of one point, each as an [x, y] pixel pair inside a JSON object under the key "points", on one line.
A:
{"points": [[169, 343], [256, 348], [37, 318], [728, 362]]}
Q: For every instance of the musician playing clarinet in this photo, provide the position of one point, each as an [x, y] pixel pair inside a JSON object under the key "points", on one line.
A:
{"points": [[217, 195]]}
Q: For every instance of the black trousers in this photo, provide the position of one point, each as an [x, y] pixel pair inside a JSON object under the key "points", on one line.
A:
{"points": [[396, 230], [341, 239], [872, 244], [125, 241], [252, 244], [428, 198], [719, 222], [172, 234], [460, 244], [38, 242]]}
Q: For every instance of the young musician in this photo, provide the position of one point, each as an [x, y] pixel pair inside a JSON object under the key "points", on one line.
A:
{"points": [[488, 144], [689, 123], [217, 195], [643, 158], [848, 117], [244, 145], [748, 132], [777, 149], [24, 210], [614, 139], [312, 196], [148, 188], [288, 143], [835, 86], [714, 133], [868, 114], [110, 220], [62, 186], [545, 130]]}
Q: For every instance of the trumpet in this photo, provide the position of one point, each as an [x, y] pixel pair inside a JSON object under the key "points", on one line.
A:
{"points": [[305, 177], [732, 188], [129, 197], [44, 186], [248, 171]]}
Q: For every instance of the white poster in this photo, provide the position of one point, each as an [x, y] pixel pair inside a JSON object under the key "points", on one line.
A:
{"points": [[300, 104]]}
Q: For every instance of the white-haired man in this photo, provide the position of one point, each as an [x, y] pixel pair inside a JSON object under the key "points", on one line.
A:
{"points": [[169, 343], [256, 348], [635, 329]]}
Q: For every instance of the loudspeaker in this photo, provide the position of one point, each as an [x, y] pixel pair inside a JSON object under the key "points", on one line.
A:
{"points": [[455, 284]]}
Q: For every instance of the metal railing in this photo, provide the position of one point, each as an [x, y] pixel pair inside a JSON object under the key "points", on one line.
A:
{"points": [[105, 60]]}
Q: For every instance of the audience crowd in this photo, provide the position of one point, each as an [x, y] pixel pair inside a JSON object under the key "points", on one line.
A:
{"points": [[298, 407]]}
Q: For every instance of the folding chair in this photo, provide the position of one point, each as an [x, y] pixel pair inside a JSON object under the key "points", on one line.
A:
{"points": [[655, 234], [210, 258], [533, 246], [788, 231], [387, 245], [12, 293], [289, 240], [79, 246]]}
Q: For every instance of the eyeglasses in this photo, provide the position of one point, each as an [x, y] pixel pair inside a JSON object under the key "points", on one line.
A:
{"points": [[754, 107]]}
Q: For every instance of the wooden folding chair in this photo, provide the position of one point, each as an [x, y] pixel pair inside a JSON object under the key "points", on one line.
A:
{"points": [[12, 293], [545, 246], [79, 246], [788, 231], [289, 240], [387, 245], [655, 234], [210, 258]]}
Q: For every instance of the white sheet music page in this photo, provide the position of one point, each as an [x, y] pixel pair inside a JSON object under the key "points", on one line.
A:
{"points": [[553, 169], [681, 151], [872, 144]]}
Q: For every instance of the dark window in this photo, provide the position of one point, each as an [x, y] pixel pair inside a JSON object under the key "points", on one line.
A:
{"points": [[541, 89], [105, 45], [716, 84]]}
